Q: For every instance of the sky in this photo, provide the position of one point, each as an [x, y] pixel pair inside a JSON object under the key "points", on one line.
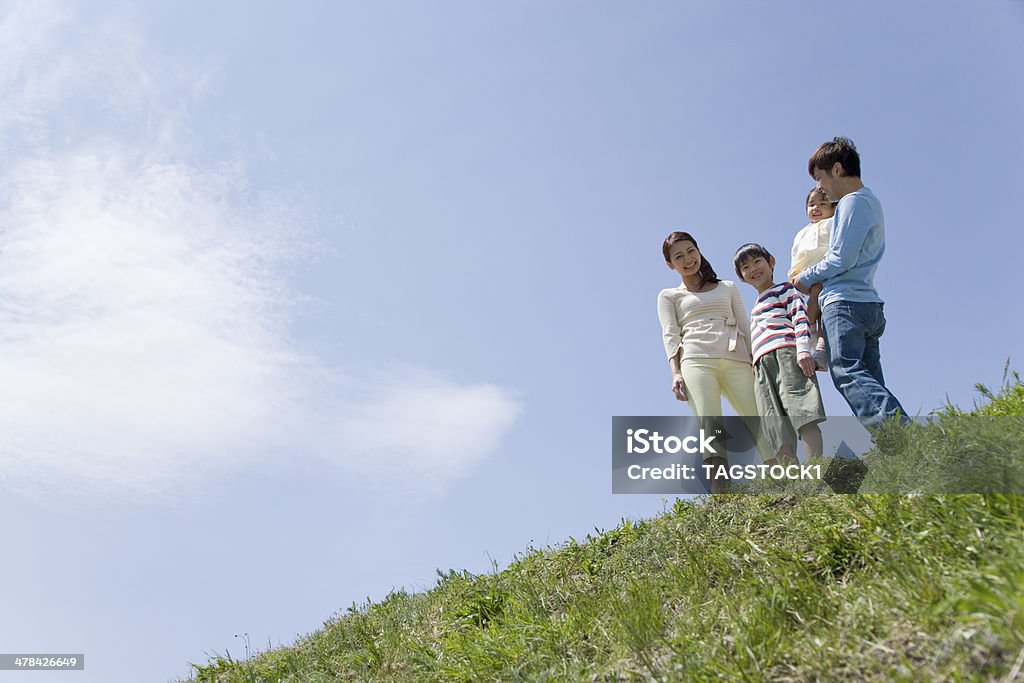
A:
{"points": [[300, 303]]}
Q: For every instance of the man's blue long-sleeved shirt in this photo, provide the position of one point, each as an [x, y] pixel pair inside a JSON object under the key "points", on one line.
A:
{"points": [[854, 250]]}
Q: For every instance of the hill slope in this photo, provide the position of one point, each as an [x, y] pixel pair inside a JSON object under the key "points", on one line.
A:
{"points": [[786, 587]]}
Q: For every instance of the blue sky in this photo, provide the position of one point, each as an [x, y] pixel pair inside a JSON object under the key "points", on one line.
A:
{"points": [[301, 303]]}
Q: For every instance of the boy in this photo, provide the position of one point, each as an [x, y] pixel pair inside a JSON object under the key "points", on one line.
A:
{"points": [[785, 386], [851, 310]]}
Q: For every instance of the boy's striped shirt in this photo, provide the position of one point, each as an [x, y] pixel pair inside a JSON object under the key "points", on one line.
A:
{"points": [[779, 319]]}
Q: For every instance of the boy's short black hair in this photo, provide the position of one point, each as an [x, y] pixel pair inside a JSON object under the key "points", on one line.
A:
{"points": [[746, 252]]}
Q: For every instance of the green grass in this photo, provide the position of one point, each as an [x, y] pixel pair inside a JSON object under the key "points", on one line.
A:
{"points": [[786, 587]]}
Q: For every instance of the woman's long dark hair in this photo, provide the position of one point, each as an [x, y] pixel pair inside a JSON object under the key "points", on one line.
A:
{"points": [[706, 272]]}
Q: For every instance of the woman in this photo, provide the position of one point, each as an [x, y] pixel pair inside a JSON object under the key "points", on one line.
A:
{"points": [[707, 338]]}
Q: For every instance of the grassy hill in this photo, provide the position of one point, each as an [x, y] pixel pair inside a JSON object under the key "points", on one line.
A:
{"points": [[783, 586]]}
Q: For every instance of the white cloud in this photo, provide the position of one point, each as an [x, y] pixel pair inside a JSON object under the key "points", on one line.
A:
{"points": [[144, 337], [417, 427]]}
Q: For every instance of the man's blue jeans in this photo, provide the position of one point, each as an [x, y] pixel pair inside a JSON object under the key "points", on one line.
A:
{"points": [[852, 330]]}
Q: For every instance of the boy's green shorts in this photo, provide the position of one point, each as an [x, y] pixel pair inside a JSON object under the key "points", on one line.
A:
{"points": [[782, 390]]}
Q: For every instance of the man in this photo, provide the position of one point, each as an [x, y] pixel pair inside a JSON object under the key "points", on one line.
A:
{"points": [[851, 310]]}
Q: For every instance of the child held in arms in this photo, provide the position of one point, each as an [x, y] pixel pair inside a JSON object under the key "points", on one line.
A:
{"points": [[785, 386], [809, 247]]}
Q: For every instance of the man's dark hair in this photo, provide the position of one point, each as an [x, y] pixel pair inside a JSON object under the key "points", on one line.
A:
{"points": [[747, 252], [828, 153]]}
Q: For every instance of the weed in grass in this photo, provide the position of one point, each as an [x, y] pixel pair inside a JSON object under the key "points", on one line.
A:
{"points": [[640, 618]]}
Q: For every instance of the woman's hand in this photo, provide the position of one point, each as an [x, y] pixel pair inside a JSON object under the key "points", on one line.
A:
{"points": [[678, 388]]}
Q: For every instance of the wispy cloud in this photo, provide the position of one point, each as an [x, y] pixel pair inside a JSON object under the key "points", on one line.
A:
{"points": [[144, 307], [418, 426]]}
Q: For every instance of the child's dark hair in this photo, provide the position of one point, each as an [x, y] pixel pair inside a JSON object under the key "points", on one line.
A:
{"points": [[706, 272], [747, 252], [828, 153], [817, 190]]}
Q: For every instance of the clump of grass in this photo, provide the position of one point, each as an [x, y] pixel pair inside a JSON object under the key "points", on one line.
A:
{"points": [[1008, 401], [980, 450], [974, 451], [757, 587]]}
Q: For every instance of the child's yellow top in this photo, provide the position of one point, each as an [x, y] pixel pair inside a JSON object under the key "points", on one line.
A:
{"points": [[810, 245]]}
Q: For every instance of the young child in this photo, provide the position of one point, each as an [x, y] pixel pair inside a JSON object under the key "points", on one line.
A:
{"points": [[809, 247], [785, 387]]}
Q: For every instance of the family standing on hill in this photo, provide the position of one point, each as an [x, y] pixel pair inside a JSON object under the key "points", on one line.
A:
{"points": [[767, 367]]}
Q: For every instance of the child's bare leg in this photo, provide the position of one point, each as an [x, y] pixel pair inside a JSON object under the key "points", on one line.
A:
{"points": [[811, 436], [813, 309], [819, 352]]}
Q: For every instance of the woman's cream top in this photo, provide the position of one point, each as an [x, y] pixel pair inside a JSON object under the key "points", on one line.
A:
{"points": [[711, 324]]}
